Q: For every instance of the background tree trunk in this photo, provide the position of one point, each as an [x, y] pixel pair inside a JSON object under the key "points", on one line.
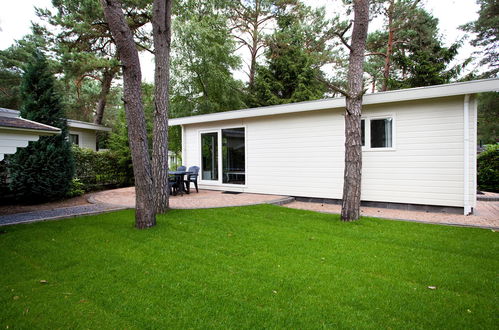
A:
{"points": [[161, 24], [350, 209], [389, 47], [145, 215], [107, 79]]}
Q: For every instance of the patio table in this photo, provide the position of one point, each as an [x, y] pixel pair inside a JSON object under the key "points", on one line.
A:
{"points": [[179, 177]]}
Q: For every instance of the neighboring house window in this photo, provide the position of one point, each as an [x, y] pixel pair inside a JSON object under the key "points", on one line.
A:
{"points": [[74, 139], [231, 156], [377, 133]]}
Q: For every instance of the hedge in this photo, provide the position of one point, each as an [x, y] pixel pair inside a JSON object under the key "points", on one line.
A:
{"points": [[100, 170], [488, 169]]}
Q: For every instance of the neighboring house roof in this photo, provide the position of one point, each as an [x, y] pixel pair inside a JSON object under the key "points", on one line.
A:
{"points": [[462, 88], [28, 124], [17, 132], [10, 119], [9, 113], [86, 125]]}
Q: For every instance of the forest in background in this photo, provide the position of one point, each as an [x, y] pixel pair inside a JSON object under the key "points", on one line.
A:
{"points": [[293, 53]]}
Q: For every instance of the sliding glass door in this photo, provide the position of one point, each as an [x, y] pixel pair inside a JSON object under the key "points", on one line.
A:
{"points": [[209, 156], [232, 157]]}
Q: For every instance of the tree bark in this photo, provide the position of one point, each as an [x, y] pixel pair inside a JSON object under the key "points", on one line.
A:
{"points": [[161, 23], [350, 209], [255, 39], [253, 54], [107, 79], [389, 47], [145, 215]]}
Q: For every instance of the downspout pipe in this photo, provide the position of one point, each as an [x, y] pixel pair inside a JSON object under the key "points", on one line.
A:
{"points": [[466, 159], [183, 151]]}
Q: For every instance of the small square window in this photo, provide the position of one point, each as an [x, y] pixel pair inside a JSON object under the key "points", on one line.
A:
{"points": [[74, 139], [381, 133]]}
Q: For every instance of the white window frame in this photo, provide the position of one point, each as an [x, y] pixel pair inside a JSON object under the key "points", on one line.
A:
{"points": [[219, 182], [79, 138], [200, 143], [367, 132]]}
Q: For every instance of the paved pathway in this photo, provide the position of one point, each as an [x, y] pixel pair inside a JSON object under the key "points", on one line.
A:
{"points": [[60, 213], [194, 200], [123, 198], [486, 214]]}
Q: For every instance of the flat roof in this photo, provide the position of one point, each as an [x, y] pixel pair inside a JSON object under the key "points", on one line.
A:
{"points": [[86, 125], [419, 93]]}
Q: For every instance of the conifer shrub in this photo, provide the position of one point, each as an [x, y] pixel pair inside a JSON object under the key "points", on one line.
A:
{"points": [[488, 169], [43, 170]]}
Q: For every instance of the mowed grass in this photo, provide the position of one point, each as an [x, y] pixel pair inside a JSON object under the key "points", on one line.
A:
{"points": [[248, 267]]}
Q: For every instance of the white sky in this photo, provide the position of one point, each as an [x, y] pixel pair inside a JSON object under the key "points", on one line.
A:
{"points": [[16, 15]]}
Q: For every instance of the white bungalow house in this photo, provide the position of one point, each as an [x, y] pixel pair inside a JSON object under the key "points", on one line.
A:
{"points": [[83, 134], [17, 132], [419, 148]]}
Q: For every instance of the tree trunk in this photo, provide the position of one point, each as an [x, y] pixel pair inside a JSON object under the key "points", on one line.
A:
{"points": [[254, 46], [161, 23], [389, 48], [252, 68], [107, 79], [145, 215], [350, 209]]}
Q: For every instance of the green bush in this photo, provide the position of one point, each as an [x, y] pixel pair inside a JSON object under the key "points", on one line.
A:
{"points": [[488, 169], [100, 170], [76, 188]]}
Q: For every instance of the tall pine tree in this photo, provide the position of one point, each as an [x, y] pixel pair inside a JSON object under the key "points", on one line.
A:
{"points": [[43, 170], [296, 51], [408, 51]]}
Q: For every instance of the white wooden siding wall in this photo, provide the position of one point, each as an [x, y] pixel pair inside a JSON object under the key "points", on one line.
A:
{"points": [[426, 166], [86, 137], [10, 140], [302, 154]]}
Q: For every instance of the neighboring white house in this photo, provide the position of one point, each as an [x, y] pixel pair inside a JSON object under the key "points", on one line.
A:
{"points": [[83, 134], [17, 132], [419, 147]]}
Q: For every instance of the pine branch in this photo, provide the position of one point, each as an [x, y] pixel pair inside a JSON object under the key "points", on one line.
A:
{"points": [[333, 87], [376, 53], [342, 36]]}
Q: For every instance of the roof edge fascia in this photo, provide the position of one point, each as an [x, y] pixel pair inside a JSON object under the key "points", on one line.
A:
{"points": [[401, 95]]}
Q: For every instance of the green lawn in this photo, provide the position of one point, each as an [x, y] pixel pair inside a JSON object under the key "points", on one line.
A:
{"points": [[249, 267]]}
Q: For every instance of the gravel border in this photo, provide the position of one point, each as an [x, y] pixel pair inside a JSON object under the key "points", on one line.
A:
{"points": [[57, 214]]}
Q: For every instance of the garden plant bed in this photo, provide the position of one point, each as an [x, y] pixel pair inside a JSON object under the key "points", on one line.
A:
{"points": [[259, 266]]}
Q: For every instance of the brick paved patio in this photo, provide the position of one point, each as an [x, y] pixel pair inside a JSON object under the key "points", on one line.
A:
{"points": [[486, 214], [204, 199]]}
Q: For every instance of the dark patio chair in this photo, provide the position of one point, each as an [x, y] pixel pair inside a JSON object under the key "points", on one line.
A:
{"points": [[192, 177], [173, 181], [173, 187]]}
